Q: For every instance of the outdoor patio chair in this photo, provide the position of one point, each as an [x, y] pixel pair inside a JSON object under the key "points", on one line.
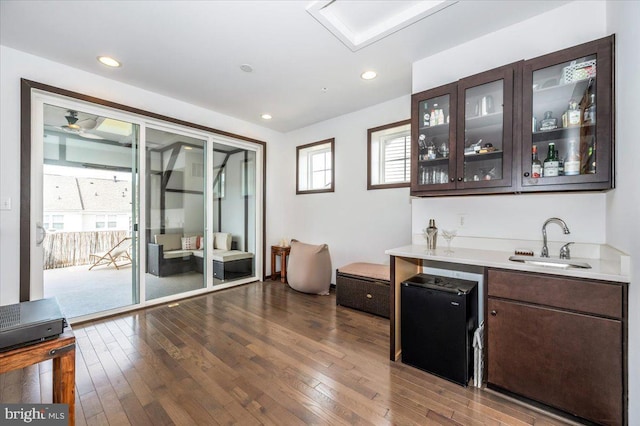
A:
{"points": [[120, 250]]}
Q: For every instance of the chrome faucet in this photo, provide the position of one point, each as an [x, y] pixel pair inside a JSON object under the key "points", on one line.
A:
{"points": [[565, 229]]}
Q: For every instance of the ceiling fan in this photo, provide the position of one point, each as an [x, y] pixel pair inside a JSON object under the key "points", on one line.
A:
{"points": [[80, 127]]}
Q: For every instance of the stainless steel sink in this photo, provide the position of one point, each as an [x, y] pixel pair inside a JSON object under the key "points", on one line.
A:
{"points": [[550, 262]]}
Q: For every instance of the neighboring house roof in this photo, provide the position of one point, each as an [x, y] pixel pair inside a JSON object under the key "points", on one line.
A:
{"points": [[60, 193], [68, 193]]}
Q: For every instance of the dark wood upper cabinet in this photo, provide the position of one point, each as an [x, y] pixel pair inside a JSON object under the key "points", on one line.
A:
{"points": [[463, 135], [573, 88], [433, 137], [476, 136]]}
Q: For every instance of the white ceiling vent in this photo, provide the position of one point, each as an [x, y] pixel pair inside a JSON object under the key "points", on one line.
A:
{"points": [[360, 23]]}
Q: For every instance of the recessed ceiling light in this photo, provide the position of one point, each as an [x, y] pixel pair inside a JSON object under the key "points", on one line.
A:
{"points": [[109, 61], [246, 68], [266, 116], [368, 75]]}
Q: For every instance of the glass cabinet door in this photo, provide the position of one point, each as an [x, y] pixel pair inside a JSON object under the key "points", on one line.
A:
{"points": [[485, 129], [567, 104], [433, 135]]}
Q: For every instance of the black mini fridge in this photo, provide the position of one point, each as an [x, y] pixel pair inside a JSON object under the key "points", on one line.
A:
{"points": [[438, 318]]}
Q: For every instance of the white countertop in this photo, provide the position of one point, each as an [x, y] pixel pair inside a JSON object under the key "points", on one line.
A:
{"points": [[610, 269]]}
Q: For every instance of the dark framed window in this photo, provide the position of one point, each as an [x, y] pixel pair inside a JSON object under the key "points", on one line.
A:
{"points": [[314, 167], [389, 156]]}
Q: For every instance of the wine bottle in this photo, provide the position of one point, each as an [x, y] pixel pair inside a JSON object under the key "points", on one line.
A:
{"points": [[536, 165], [550, 166], [572, 164], [591, 158], [590, 111], [560, 164], [426, 119]]}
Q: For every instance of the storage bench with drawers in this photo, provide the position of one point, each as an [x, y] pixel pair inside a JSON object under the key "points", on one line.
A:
{"points": [[364, 286]]}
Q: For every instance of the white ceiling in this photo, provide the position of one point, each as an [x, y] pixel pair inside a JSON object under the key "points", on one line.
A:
{"points": [[192, 50]]}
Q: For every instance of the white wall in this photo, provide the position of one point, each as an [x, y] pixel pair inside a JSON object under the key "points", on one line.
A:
{"points": [[537, 36], [515, 216], [357, 224], [623, 204], [16, 65], [610, 218]]}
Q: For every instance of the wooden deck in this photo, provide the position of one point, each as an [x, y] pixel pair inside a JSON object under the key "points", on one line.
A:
{"points": [[256, 354]]}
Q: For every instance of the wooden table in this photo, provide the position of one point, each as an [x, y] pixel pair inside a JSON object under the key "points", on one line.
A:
{"points": [[283, 252], [62, 350]]}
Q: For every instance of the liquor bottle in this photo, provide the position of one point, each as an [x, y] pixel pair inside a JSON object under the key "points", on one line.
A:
{"points": [[572, 164], [550, 166], [591, 158], [560, 164], [571, 116], [426, 119], [536, 165], [589, 116], [548, 122]]}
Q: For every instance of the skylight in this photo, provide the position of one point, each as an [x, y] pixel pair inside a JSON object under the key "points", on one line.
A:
{"points": [[358, 24]]}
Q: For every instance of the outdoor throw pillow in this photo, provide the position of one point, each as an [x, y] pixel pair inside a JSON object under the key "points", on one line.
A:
{"points": [[189, 243]]}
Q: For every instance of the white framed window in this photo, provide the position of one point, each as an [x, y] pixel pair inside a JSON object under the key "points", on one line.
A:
{"points": [[314, 164], [389, 156], [53, 222], [106, 221]]}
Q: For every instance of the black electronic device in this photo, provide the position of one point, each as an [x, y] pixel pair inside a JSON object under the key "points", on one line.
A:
{"points": [[26, 323]]}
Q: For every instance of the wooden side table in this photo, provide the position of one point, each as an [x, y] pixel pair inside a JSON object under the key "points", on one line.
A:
{"points": [[283, 252], [62, 350]]}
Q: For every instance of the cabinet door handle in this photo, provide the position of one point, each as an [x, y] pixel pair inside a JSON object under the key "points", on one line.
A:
{"points": [[369, 296], [494, 313], [526, 174], [459, 179], [453, 179]]}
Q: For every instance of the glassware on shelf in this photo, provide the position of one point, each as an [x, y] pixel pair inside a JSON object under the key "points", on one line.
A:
{"points": [[443, 150], [431, 150], [448, 235]]}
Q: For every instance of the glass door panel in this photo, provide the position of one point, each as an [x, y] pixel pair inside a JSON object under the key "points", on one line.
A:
{"points": [[433, 134], [175, 234], [433, 141], [483, 156], [567, 99], [89, 204], [234, 213], [564, 117]]}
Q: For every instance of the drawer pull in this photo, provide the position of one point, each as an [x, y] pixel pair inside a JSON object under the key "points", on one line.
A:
{"points": [[494, 313], [369, 296]]}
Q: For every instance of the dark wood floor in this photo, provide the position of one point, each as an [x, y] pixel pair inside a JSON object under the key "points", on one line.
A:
{"points": [[256, 354]]}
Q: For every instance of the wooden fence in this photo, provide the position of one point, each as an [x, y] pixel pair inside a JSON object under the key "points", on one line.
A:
{"points": [[64, 249]]}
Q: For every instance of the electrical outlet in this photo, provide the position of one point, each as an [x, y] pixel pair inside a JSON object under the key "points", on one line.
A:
{"points": [[5, 203], [462, 218]]}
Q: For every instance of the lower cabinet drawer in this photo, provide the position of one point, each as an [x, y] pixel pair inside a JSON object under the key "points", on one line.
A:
{"points": [[582, 295], [364, 294]]}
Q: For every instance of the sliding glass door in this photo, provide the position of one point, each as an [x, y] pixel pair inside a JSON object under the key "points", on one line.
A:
{"points": [[175, 213], [127, 210], [234, 205], [84, 207]]}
